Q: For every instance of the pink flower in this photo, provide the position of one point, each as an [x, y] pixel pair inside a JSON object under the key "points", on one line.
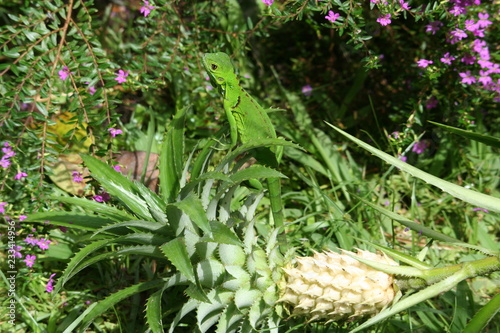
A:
{"points": [[431, 103], [117, 167], [483, 21], [22, 217], [332, 17], [103, 197], [64, 73], [268, 2], [17, 251], [424, 63], [20, 175], [30, 260], [467, 78], [447, 58], [307, 90], [2, 207], [77, 176], [468, 59], [30, 240], [404, 5], [114, 132], [433, 27], [49, 287], [384, 19], [485, 79], [121, 76], [419, 147], [43, 243], [146, 8]]}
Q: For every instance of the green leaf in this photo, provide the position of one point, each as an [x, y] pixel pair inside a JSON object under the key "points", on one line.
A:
{"points": [[153, 312], [484, 316], [72, 220], [472, 197], [176, 252], [192, 207], [222, 234], [171, 157], [97, 207], [115, 298], [118, 186], [486, 139]]}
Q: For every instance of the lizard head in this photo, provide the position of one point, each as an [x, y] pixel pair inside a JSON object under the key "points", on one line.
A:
{"points": [[218, 66]]}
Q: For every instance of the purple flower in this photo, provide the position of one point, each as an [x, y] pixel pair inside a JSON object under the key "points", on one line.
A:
{"points": [[43, 243], [457, 35], [92, 90], [30, 240], [17, 250], [431, 103], [403, 158], [483, 21], [22, 217], [480, 209], [114, 132], [404, 5], [103, 197], [484, 78], [307, 90], [49, 287], [419, 147], [268, 2], [447, 58], [468, 59], [121, 76], [146, 8], [458, 10], [433, 27], [424, 63], [384, 19], [64, 73], [20, 175], [117, 167], [77, 176], [30, 260], [2, 207], [5, 162], [332, 17], [467, 78]]}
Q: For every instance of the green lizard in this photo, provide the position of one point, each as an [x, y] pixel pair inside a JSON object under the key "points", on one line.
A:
{"points": [[248, 121]]}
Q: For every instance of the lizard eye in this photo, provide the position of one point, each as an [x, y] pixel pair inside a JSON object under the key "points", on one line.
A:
{"points": [[214, 67]]}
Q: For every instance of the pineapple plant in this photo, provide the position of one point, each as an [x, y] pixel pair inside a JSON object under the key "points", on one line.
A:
{"points": [[236, 276]]}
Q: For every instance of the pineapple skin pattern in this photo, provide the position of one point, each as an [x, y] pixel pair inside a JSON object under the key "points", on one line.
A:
{"points": [[333, 286]]}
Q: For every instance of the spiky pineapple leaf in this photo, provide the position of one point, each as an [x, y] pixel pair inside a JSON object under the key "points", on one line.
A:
{"points": [[118, 186], [475, 198], [73, 220], [486, 139], [398, 255], [189, 306], [426, 231], [153, 312], [192, 206], [177, 253], [97, 207], [139, 225], [156, 204], [208, 314], [264, 142], [230, 320], [115, 298], [76, 260], [171, 157], [222, 234]]}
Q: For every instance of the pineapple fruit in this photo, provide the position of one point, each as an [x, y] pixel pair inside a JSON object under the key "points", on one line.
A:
{"points": [[330, 286]]}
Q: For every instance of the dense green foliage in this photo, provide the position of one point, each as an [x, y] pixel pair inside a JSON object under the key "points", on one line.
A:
{"points": [[85, 78]]}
